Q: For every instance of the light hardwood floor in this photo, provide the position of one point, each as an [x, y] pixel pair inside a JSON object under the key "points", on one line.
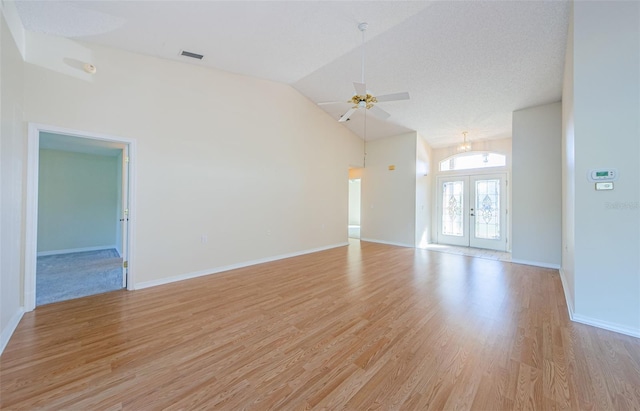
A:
{"points": [[358, 327]]}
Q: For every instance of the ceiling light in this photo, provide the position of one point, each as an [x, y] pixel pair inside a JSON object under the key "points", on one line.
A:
{"points": [[464, 147]]}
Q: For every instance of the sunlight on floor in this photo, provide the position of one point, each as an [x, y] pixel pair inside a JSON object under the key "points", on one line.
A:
{"points": [[473, 252]]}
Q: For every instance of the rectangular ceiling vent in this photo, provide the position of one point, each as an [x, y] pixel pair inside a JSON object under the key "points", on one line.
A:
{"points": [[192, 55]]}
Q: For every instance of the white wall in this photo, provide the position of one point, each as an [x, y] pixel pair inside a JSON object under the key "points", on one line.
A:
{"points": [[536, 187], [501, 146], [234, 158], [354, 201], [12, 152], [77, 201], [252, 165], [423, 192], [606, 108], [567, 270], [389, 196]]}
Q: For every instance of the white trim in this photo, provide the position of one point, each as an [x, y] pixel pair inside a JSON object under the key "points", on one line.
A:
{"points": [[217, 270], [131, 224], [31, 216], [31, 213], [10, 328], [372, 240], [606, 325], [536, 264], [78, 250], [474, 171], [568, 298], [622, 329]]}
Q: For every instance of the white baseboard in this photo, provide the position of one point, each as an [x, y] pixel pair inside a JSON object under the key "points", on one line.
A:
{"points": [[76, 250], [606, 325], [622, 329], [217, 270], [7, 332], [568, 297], [372, 240], [536, 264]]}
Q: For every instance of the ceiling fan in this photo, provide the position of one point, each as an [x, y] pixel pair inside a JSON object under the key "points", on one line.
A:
{"points": [[364, 99]]}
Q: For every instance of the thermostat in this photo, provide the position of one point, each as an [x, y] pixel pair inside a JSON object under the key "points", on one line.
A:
{"points": [[603, 174]]}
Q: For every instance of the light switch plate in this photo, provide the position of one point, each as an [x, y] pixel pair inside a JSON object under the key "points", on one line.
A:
{"points": [[604, 186]]}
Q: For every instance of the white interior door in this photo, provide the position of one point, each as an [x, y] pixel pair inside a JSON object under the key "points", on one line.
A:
{"points": [[472, 211], [124, 214]]}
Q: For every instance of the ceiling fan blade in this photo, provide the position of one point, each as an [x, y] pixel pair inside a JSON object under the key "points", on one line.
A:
{"points": [[361, 89], [346, 115], [327, 103], [380, 113], [393, 97]]}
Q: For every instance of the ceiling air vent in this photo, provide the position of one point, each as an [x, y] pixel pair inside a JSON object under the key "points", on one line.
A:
{"points": [[192, 55]]}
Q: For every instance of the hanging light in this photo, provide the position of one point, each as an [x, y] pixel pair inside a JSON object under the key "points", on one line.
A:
{"points": [[464, 147]]}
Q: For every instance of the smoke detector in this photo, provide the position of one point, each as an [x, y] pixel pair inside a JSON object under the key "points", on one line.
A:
{"points": [[89, 68]]}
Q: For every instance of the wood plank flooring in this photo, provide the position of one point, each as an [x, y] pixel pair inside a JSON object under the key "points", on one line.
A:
{"points": [[367, 326]]}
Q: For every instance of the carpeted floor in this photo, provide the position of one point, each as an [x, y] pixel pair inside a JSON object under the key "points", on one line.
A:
{"points": [[67, 276]]}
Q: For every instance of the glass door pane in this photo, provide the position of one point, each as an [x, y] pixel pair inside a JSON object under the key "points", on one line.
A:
{"points": [[488, 216], [453, 210], [487, 209]]}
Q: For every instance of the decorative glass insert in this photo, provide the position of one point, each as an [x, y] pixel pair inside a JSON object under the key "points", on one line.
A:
{"points": [[452, 208], [466, 161], [487, 203]]}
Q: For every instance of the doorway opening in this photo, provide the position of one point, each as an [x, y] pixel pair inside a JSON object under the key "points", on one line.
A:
{"points": [[472, 211], [355, 193], [79, 226], [354, 207]]}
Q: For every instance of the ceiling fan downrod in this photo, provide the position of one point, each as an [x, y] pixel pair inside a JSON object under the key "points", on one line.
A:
{"points": [[365, 100], [363, 27]]}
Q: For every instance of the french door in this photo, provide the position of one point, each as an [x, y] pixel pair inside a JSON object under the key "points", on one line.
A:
{"points": [[472, 211]]}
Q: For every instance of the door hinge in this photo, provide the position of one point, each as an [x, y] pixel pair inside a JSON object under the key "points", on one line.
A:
{"points": [[126, 159], [125, 264]]}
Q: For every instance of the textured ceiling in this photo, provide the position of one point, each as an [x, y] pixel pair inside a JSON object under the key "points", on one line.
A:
{"points": [[467, 65]]}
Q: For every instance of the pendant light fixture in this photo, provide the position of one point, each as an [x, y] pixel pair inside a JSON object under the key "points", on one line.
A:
{"points": [[464, 147]]}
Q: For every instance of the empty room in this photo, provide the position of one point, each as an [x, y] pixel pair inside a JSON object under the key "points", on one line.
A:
{"points": [[395, 205]]}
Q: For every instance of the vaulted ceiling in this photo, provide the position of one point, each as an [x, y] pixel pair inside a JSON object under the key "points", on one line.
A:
{"points": [[466, 64]]}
